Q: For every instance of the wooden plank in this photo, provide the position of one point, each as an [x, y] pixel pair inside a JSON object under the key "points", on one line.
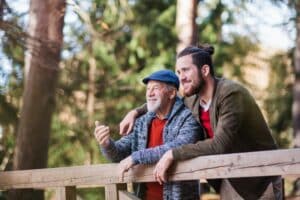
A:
{"points": [[66, 193], [264, 163], [124, 195], [59, 177]]}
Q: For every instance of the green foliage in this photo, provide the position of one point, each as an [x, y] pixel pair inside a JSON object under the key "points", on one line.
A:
{"points": [[91, 193], [10, 89], [279, 100], [13, 42], [8, 118]]}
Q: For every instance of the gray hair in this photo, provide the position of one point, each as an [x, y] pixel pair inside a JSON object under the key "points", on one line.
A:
{"points": [[170, 87]]}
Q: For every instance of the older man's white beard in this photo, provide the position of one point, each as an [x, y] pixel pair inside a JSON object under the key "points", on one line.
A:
{"points": [[153, 106]]}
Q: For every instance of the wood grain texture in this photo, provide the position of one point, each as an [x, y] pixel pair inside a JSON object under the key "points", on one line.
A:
{"points": [[264, 163]]}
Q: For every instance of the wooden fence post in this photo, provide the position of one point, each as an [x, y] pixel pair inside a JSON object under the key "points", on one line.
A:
{"points": [[111, 191], [66, 193], [124, 195]]}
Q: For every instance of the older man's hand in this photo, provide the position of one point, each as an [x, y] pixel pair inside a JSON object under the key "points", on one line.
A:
{"points": [[124, 166], [160, 171], [101, 134]]}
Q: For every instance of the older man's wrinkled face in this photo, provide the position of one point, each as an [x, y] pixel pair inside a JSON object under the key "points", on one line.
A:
{"points": [[157, 96], [191, 79]]}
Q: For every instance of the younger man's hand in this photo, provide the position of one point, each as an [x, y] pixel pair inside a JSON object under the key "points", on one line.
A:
{"points": [[124, 166]]}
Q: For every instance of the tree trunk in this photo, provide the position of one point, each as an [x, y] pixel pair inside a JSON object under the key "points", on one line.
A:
{"points": [[44, 45], [91, 105], [296, 93], [1, 9], [185, 23], [91, 91]]}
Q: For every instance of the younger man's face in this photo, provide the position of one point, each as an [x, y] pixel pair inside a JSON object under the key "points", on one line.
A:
{"points": [[191, 80]]}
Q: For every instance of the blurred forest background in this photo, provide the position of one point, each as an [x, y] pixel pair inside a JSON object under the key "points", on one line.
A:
{"points": [[66, 63]]}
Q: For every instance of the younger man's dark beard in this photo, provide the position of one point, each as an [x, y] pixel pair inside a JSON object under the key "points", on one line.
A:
{"points": [[202, 83]]}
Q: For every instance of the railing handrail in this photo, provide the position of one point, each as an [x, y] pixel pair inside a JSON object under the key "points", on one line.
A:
{"points": [[260, 163]]}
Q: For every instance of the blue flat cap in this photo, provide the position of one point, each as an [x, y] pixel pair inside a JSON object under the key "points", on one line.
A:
{"points": [[166, 76]]}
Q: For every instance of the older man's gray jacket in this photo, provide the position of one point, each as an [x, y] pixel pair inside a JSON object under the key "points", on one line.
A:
{"points": [[181, 128]]}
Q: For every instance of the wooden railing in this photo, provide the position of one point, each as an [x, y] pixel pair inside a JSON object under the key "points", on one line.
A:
{"points": [[67, 179]]}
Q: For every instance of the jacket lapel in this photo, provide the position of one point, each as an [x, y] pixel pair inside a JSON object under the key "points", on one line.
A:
{"points": [[193, 104], [213, 112], [149, 118]]}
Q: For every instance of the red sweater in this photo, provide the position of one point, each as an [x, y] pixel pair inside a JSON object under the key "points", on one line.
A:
{"points": [[153, 189], [205, 121]]}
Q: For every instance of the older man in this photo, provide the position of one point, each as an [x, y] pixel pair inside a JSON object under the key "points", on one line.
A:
{"points": [[166, 125]]}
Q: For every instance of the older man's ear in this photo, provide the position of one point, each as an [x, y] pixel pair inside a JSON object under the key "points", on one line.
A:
{"points": [[173, 94]]}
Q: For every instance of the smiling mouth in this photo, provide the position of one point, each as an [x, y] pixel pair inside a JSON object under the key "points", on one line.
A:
{"points": [[186, 84]]}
